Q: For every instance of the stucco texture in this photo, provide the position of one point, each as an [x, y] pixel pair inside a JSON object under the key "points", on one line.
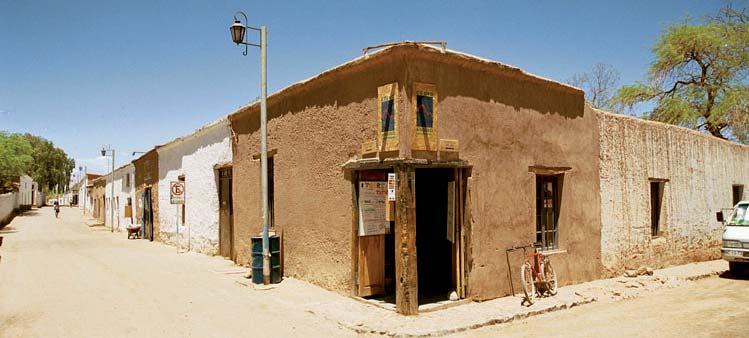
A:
{"points": [[315, 129], [506, 122], [195, 157], [700, 171]]}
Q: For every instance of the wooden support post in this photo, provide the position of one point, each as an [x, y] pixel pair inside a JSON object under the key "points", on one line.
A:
{"points": [[354, 235], [407, 287]]}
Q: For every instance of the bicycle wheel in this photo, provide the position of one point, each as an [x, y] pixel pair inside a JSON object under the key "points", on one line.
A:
{"points": [[551, 278], [526, 279]]}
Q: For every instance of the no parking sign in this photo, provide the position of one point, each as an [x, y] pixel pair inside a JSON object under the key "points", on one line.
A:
{"points": [[177, 192]]}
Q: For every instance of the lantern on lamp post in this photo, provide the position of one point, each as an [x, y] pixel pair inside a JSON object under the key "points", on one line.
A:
{"points": [[238, 30]]}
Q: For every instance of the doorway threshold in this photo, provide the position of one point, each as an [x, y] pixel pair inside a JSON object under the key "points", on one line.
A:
{"points": [[389, 305]]}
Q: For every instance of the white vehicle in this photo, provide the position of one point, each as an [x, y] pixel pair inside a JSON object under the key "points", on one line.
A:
{"points": [[736, 237]]}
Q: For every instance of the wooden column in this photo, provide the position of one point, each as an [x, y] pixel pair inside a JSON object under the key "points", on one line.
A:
{"points": [[354, 177], [406, 278]]}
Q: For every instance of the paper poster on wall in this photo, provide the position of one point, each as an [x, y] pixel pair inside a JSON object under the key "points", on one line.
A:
{"points": [[425, 117], [387, 117], [372, 199]]}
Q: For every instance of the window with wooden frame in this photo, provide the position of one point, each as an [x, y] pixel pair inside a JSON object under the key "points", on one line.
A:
{"points": [[548, 199], [656, 206]]}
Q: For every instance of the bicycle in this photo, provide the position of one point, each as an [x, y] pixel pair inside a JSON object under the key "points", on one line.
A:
{"points": [[537, 276]]}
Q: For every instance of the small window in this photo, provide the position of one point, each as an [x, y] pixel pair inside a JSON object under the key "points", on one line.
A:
{"points": [[548, 199], [656, 204], [127, 180], [738, 193]]}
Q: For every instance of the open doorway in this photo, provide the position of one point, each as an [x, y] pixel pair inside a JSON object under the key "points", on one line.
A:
{"points": [[435, 230], [225, 213], [147, 215]]}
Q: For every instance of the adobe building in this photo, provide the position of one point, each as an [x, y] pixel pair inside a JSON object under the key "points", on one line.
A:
{"points": [[661, 186], [98, 199], [147, 194], [124, 197], [472, 143], [200, 220], [84, 200]]}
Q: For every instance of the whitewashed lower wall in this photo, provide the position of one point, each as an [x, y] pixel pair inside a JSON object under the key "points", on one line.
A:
{"points": [[8, 206], [700, 170], [194, 157]]}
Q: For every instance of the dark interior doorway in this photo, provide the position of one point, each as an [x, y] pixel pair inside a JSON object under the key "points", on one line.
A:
{"points": [[147, 215], [226, 210], [433, 248]]}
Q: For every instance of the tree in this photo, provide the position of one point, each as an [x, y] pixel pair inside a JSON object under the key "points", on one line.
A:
{"points": [[51, 167], [698, 77], [599, 85], [15, 159], [34, 156]]}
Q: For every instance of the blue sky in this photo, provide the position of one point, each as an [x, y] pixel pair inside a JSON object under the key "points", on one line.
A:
{"points": [[139, 73]]}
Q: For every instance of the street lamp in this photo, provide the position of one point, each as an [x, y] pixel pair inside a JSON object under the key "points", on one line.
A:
{"points": [[104, 151], [238, 30]]}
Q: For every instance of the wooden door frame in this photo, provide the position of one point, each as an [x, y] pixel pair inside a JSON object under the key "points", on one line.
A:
{"points": [[406, 274]]}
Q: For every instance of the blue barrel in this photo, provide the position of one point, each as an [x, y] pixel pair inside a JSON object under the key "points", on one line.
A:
{"points": [[257, 259]]}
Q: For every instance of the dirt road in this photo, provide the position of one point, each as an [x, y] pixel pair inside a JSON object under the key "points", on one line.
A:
{"points": [[712, 307], [60, 278]]}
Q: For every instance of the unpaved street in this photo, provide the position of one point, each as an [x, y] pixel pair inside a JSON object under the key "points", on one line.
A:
{"points": [[59, 278], [712, 307]]}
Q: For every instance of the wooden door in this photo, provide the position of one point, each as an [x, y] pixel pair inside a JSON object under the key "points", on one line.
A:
{"points": [[225, 211], [371, 265], [371, 249]]}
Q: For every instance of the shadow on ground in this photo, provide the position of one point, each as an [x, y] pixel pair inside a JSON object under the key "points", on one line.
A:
{"points": [[743, 275]]}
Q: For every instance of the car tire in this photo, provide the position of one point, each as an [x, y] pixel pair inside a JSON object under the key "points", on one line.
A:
{"points": [[737, 267]]}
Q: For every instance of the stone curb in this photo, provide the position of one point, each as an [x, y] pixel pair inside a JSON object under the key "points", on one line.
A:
{"points": [[361, 329], [505, 318]]}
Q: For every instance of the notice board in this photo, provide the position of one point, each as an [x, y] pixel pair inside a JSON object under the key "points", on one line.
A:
{"points": [[372, 200]]}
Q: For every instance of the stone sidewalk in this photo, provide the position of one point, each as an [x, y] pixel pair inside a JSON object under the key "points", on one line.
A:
{"points": [[365, 318]]}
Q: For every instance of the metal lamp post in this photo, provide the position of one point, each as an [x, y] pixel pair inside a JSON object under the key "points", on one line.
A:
{"points": [[104, 151], [238, 36]]}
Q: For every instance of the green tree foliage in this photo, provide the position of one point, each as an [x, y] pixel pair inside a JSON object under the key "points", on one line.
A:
{"points": [[34, 156], [51, 167], [699, 77], [15, 159]]}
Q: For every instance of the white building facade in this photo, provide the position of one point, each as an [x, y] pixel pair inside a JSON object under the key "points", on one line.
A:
{"points": [[25, 192], [194, 160], [124, 197]]}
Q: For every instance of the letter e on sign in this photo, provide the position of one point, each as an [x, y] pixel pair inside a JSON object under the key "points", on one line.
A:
{"points": [[177, 192]]}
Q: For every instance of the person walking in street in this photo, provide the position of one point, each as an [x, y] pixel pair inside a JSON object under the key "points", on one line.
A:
{"points": [[57, 209]]}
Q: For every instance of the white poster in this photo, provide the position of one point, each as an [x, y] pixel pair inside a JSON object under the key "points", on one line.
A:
{"points": [[372, 199], [391, 186]]}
